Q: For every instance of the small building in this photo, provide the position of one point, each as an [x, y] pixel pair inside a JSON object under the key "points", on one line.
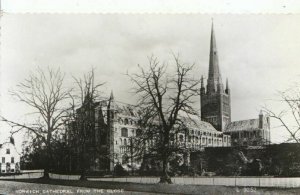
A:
{"points": [[251, 132], [9, 158]]}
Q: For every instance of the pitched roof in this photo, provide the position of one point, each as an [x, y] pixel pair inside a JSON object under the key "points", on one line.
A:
{"points": [[126, 109], [194, 122], [245, 125]]}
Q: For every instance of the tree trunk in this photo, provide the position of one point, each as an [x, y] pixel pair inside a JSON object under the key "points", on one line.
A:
{"points": [[165, 178], [48, 165]]}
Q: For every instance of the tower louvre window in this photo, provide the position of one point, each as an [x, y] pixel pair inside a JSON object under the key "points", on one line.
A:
{"points": [[124, 132]]}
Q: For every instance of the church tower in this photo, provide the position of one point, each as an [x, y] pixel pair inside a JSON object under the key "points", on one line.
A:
{"points": [[215, 101]]}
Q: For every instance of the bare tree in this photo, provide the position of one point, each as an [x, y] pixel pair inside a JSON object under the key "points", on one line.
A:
{"points": [[289, 118], [82, 118], [44, 93], [163, 98]]}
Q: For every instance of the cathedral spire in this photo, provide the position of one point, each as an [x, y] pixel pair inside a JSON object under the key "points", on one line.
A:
{"points": [[214, 75]]}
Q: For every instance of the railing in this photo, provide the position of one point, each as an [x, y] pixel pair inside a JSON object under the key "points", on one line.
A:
{"points": [[64, 177], [281, 182], [25, 174], [291, 182]]}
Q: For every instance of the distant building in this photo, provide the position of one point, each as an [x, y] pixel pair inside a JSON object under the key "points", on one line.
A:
{"points": [[251, 132], [9, 158]]}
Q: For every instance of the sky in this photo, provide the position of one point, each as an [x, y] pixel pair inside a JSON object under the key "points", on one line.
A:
{"points": [[259, 54]]}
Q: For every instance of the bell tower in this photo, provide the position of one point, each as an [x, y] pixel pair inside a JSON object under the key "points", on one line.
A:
{"points": [[215, 101]]}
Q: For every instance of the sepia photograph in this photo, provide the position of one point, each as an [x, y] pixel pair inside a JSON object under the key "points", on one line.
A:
{"points": [[150, 103]]}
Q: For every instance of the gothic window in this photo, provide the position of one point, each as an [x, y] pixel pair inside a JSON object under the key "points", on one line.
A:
{"points": [[124, 132], [126, 121], [138, 132], [171, 137], [181, 138]]}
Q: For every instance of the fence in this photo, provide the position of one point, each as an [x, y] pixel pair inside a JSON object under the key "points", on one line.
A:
{"points": [[289, 182], [28, 174], [282, 182], [64, 177]]}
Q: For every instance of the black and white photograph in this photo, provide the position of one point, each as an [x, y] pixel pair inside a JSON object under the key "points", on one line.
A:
{"points": [[150, 103]]}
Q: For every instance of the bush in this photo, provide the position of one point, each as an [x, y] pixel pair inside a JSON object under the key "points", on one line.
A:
{"points": [[120, 171]]}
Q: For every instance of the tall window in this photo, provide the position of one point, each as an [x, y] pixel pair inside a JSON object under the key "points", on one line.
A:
{"points": [[181, 138], [125, 142], [7, 151], [3, 159], [124, 132], [12, 160], [126, 121], [138, 132]]}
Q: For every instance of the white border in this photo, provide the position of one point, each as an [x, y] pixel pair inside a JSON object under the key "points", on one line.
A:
{"points": [[152, 6]]}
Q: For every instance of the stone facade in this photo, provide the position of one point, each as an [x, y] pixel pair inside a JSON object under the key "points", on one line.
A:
{"points": [[119, 123]]}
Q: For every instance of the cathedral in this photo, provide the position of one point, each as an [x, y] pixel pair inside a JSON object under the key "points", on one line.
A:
{"points": [[115, 124]]}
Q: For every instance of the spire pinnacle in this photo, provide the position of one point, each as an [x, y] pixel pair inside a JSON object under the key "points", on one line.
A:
{"points": [[111, 95], [202, 82], [227, 86]]}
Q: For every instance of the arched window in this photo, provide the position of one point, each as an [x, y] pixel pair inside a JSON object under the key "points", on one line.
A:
{"points": [[181, 138], [126, 121], [138, 132], [124, 132]]}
